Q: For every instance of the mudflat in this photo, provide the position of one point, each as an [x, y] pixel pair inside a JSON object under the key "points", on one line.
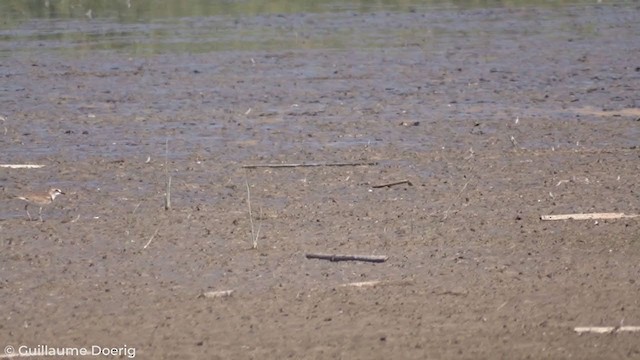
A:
{"points": [[486, 118]]}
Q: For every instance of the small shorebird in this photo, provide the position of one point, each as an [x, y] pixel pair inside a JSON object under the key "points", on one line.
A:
{"points": [[40, 199]]}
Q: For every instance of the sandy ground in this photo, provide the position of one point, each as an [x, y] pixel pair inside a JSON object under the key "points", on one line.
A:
{"points": [[492, 128]]}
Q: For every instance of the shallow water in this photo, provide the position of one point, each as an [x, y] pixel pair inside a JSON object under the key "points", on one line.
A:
{"points": [[240, 81], [196, 26]]}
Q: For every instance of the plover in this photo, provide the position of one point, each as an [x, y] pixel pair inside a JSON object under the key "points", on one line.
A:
{"points": [[40, 199]]}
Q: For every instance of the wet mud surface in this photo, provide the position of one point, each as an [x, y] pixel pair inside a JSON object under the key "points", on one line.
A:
{"points": [[509, 114]]}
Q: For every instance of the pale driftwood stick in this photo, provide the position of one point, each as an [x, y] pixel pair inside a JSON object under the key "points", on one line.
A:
{"points": [[253, 166], [373, 283], [362, 283], [393, 184], [592, 216], [369, 258], [16, 354], [217, 294], [605, 329], [21, 166]]}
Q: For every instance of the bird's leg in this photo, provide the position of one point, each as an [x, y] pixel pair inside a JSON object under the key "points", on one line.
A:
{"points": [[40, 214], [27, 210]]}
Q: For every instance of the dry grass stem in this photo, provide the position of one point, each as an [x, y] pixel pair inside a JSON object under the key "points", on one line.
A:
{"points": [[151, 238], [446, 212], [131, 218], [254, 233], [167, 194]]}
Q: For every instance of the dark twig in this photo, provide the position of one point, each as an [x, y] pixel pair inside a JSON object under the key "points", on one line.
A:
{"points": [[253, 166], [393, 184], [369, 258]]}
